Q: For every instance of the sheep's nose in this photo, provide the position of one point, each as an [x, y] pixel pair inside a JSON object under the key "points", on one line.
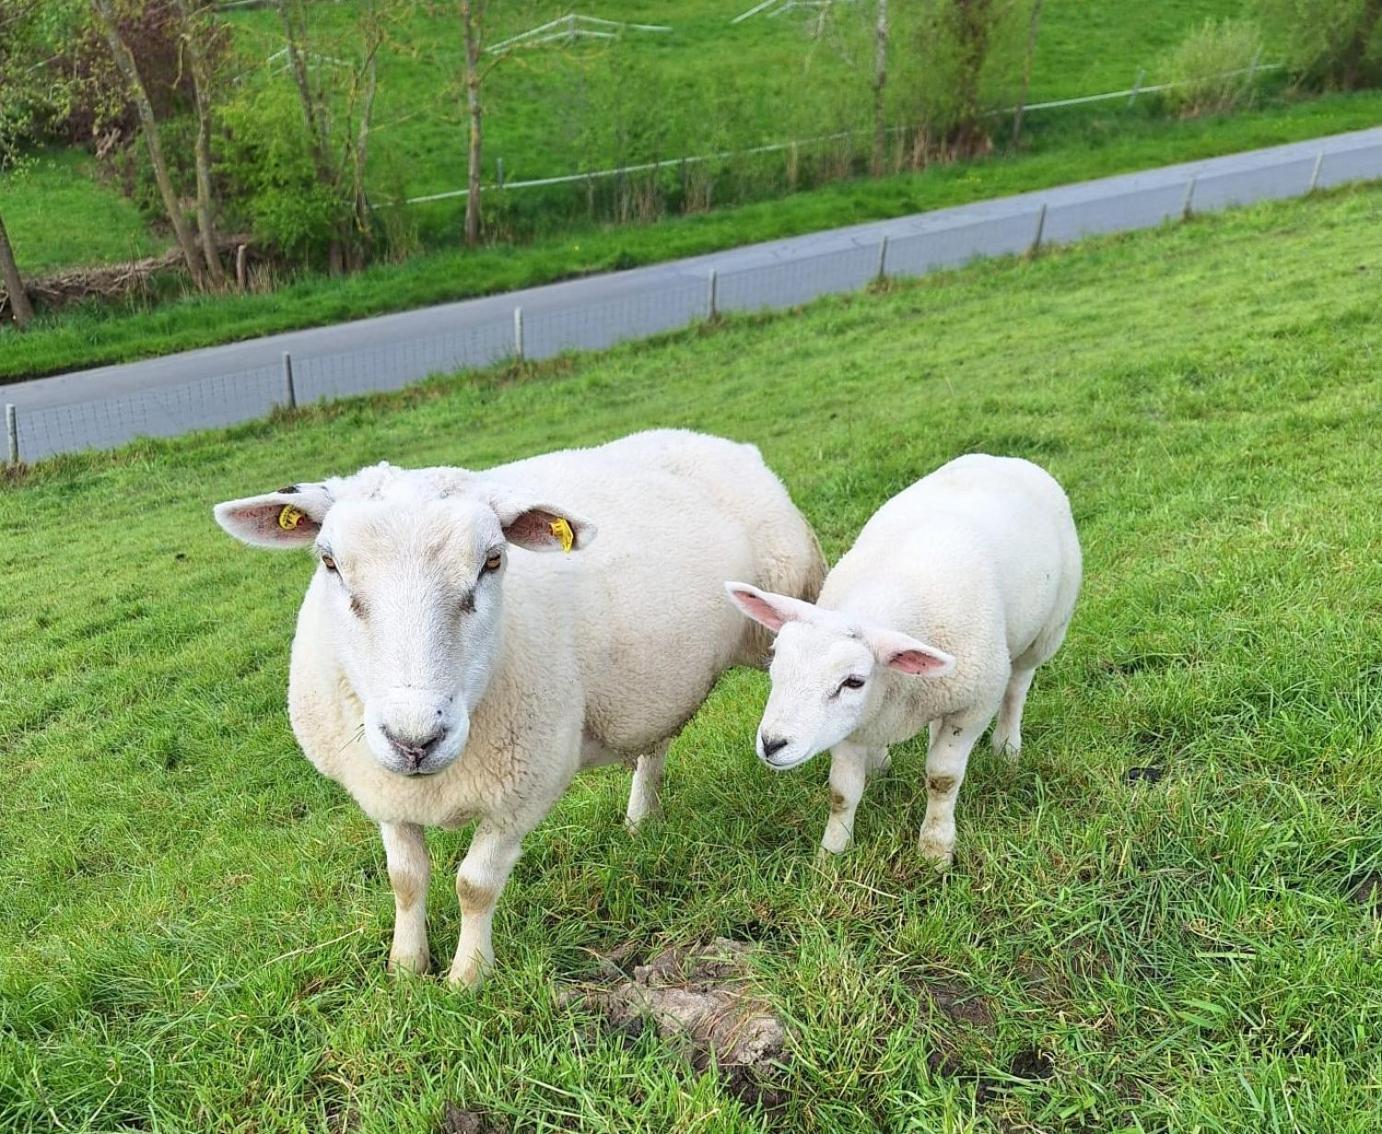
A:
{"points": [[412, 748], [771, 744]]}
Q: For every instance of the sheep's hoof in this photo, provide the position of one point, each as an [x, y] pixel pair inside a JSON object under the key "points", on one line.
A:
{"points": [[416, 963], [469, 976], [939, 854]]}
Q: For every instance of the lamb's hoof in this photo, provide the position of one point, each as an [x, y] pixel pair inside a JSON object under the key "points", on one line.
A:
{"points": [[470, 976], [416, 963], [634, 823], [829, 854], [939, 854]]}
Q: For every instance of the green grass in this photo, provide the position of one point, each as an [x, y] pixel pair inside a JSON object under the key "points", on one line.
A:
{"points": [[196, 924], [59, 214], [1100, 146]]}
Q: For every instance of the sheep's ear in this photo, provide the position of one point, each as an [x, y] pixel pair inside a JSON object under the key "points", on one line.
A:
{"points": [[906, 654], [290, 517], [766, 608], [543, 527]]}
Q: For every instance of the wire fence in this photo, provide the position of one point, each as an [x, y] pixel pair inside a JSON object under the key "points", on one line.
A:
{"points": [[659, 300]]}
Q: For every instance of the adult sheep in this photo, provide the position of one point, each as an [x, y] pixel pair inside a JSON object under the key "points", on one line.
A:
{"points": [[443, 673]]}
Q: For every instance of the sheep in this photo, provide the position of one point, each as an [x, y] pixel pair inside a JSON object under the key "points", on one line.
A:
{"points": [[955, 591], [444, 673]]}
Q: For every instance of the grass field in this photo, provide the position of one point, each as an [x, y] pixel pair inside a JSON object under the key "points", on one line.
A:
{"points": [[196, 924], [1101, 146]]}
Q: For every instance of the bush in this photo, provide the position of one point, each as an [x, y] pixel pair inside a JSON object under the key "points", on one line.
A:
{"points": [[1212, 68], [1330, 44], [268, 166]]}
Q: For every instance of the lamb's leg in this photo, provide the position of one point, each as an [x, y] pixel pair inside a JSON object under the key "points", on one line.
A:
{"points": [[946, 761], [1007, 733], [644, 792], [879, 760], [479, 882], [409, 870], [849, 765]]}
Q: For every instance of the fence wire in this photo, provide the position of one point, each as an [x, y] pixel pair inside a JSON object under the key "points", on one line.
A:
{"points": [[668, 298]]}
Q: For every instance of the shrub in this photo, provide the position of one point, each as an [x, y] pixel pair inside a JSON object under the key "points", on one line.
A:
{"points": [[1330, 44], [1213, 68]]}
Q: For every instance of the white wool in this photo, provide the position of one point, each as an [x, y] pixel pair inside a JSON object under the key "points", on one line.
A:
{"points": [[529, 669], [956, 590]]}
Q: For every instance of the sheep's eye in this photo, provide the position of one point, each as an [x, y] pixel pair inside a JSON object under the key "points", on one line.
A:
{"points": [[329, 563], [493, 560], [852, 683]]}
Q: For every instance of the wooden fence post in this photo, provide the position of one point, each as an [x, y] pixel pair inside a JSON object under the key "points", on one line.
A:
{"points": [[289, 390], [518, 333], [1187, 206], [12, 428], [882, 273], [1035, 246], [711, 295]]}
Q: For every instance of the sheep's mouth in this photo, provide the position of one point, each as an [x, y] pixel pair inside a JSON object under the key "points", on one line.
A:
{"points": [[785, 765]]}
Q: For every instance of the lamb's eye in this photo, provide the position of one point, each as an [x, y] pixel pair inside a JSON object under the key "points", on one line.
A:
{"points": [[852, 683], [329, 563], [493, 560]]}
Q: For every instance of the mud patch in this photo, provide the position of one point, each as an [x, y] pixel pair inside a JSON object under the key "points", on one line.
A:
{"points": [[1147, 774], [1368, 894], [458, 1120], [699, 1000], [957, 1002]]}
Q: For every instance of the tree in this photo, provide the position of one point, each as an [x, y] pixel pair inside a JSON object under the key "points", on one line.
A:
{"points": [[106, 19], [472, 25], [880, 83], [198, 31], [1330, 44], [20, 307], [1033, 22]]}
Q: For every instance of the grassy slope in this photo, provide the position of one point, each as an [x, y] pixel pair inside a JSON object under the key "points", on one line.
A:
{"points": [[1100, 146], [196, 924]]}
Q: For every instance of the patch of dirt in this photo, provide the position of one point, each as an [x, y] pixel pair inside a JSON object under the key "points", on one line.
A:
{"points": [[1368, 893], [1148, 774], [698, 998], [457, 1120], [957, 1002]]}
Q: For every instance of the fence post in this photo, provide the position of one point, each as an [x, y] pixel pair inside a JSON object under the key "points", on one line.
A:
{"points": [[242, 277], [288, 388], [1035, 246], [1315, 173], [518, 333], [1187, 206], [882, 260], [12, 428], [712, 310], [500, 163], [1137, 85]]}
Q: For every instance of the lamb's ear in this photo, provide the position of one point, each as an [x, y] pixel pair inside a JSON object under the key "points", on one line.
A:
{"points": [[543, 527], [768, 609], [906, 654], [290, 517]]}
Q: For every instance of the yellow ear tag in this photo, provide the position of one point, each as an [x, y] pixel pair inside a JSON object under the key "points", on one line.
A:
{"points": [[562, 530], [289, 518]]}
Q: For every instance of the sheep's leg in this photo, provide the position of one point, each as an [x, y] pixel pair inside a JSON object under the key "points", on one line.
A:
{"points": [[879, 760], [645, 791], [409, 870], [1007, 733], [946, 761], [480, 880], [849, 764]]}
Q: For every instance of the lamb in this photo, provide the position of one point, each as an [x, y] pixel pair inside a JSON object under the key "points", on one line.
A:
{"points": [[443, 673], [953, 594]]}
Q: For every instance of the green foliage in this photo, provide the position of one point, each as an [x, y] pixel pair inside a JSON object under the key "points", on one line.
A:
{"points": [[196, 923], [1330, 44], [1212, 68], [267, 162]]}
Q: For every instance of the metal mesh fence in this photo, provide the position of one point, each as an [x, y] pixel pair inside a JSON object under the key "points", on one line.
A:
{"points": [[663, 300]]}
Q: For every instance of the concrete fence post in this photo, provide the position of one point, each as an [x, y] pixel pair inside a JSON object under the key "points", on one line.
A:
{"points": [[12, 429], [712, 286], [518, 333], [289, 389], [1137, 85], [1035, 246], [1188, 205], [882, 274], [1315, 173]]}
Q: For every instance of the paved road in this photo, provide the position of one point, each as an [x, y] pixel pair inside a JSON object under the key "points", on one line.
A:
{"points": [[1074, 210]]}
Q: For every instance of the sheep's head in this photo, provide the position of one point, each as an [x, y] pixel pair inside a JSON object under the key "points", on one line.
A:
{"points": [[824, 672], [410, 567]]}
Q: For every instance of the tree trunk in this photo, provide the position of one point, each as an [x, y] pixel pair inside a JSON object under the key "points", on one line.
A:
{"points": [[1356, 49], [124, 60], [14, 283], [880, 81], [1026, 70], [470, 18], [192, 28]]}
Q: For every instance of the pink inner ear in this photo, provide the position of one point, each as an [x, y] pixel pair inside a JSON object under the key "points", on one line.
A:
{"points": [[916, 662], [531, 529], [760, 610], [263, 521]]}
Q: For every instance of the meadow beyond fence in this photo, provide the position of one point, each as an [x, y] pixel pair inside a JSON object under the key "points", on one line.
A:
{"points": [[593, 314]]}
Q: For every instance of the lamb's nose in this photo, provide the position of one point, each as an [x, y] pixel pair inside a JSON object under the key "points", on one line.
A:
{"points": [[413, 749], [772, 744]]}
